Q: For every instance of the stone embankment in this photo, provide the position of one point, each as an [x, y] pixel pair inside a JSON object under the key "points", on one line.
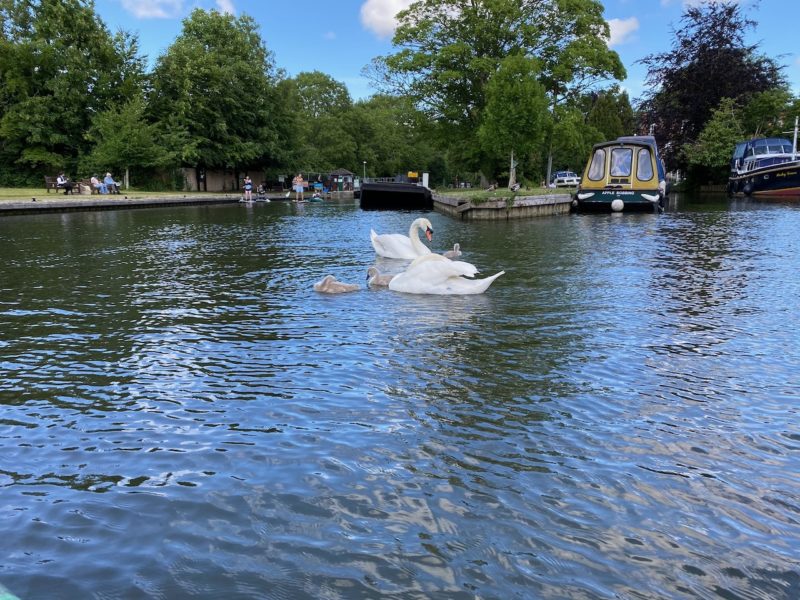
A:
{"points": [[520, 207]]}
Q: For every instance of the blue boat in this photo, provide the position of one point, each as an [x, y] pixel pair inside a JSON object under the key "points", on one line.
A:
{"points": [[765, 167]]}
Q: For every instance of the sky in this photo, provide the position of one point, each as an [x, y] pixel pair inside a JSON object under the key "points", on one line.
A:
{"points": [[341, 37]]}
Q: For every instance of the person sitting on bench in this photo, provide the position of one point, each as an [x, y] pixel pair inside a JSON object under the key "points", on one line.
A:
{"points": [[113, 186], [63, 183], [99, 185]]}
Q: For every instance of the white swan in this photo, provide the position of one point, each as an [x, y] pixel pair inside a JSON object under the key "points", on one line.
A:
{"points": [[376, 278], [454, 253], [436, 274], [397, 245], [329, 285]]}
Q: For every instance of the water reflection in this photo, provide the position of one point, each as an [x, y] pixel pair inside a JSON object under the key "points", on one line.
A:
{"points": [[614, 418]]}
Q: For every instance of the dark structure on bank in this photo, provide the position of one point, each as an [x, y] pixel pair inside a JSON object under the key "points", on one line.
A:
{"points": [[404, 192]]}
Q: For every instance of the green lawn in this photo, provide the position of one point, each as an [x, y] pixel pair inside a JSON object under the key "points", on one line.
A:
{"points": [[498, 194]]}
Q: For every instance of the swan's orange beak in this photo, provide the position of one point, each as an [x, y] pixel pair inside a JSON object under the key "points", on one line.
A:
{"points": [[429, 233]]}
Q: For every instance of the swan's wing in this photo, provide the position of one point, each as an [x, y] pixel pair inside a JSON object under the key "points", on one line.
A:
{"points": [[454, 267], [463, 287], [425, 276], [393, 245], [413, 283], [324, 283]]}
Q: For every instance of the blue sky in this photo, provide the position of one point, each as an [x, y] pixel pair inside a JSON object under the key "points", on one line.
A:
{"points": [[340, 37]]}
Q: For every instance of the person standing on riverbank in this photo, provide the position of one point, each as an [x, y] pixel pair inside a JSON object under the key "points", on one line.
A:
{"points": [[248, 189], [298, 185]]}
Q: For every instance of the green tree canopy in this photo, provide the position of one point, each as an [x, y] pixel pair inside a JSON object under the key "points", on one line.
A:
{"points": [[214, 91], [515, 118], [322, 138], [449, 50], [123, 139], [714, 146], [610, 113], [59, 67], [392, 137]]}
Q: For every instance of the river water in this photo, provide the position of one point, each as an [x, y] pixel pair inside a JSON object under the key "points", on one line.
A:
{"points": [[184, 417]]}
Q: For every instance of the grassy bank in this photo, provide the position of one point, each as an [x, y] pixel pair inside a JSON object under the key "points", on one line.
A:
{"points": [[479, 195]]}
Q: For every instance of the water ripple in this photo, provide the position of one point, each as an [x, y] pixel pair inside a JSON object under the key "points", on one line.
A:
{"points": [[615, 418]]}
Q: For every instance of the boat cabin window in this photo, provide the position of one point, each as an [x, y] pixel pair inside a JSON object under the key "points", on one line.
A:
{"points": [[597, 168], [644, 166], [621, 159]]}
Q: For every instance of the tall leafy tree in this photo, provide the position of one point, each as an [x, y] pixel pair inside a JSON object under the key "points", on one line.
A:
{"points": [[323, 137], [59, 67], [710, 153], [710, 60], [123, 139], [515, 117], [610, 113], [392, 137], [215, 92], [448, 51]]}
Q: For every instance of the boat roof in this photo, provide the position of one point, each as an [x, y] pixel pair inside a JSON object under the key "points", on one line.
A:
{"points": [[636, 140]]}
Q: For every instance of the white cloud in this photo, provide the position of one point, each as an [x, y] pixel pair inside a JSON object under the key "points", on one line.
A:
{"points": [[622, 30], [226, 6], [379, 15], [153, 9]]}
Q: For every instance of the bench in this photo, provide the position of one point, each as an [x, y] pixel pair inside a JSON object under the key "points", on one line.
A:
{"points": [[51, 183], [87, 183]]}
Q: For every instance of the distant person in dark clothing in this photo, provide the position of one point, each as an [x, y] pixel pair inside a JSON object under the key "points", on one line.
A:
{"points": [[63, 183]]}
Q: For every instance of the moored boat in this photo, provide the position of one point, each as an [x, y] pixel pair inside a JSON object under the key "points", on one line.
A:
{"points": [[624, 174], [766, 167]]}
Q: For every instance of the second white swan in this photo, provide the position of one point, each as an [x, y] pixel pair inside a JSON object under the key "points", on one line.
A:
{"points": [[397, 245], [435, 274]]}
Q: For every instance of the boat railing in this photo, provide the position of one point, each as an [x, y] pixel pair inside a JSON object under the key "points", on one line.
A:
{"points": [[391, 180], [765, 161]]}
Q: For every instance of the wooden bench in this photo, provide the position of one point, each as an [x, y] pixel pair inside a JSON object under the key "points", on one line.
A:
{"points": [[50, 183], [87, 183]]}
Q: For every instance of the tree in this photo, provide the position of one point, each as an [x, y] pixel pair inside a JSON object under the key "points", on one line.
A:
{"points": [[123, 139], [515, 118], [450, 49], [322, 138], [610, 113], [709, 61], [767, 114], [711, 153], [392, 136], [214, 92], [55, 78]]}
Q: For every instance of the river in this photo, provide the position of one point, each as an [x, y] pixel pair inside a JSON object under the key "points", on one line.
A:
{"points": [[184, 417]]}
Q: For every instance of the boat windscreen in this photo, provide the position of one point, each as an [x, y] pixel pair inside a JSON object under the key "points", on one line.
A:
{"points": [[621, 159], [597, 167], [644, 165]]}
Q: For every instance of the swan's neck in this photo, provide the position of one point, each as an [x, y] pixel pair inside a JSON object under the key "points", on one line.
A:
{"points": [[416, 243]]}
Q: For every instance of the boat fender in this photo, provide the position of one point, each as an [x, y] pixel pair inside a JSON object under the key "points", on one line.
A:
{"points": [[617, 205], [747, 189]]}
